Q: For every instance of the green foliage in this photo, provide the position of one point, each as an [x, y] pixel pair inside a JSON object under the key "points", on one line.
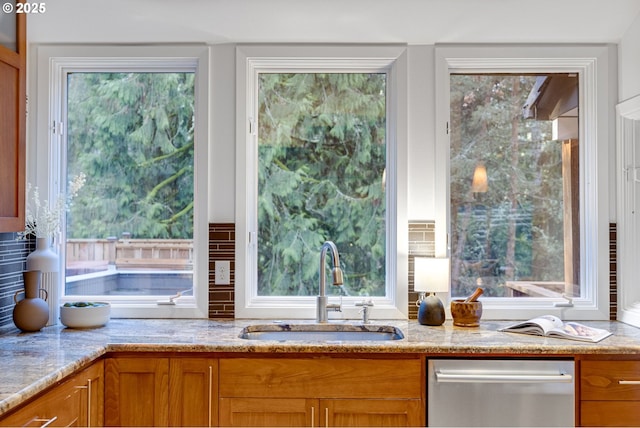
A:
{"points": [[515, 230], [132, 135], [322, 154]]}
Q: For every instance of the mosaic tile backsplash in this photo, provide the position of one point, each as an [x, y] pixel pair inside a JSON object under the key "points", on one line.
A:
{"points": [[13, 261]]}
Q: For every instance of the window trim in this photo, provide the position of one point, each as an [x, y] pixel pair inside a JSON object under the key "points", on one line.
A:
{"points": [[250, 60], [628, 137], [47, 154], [594, 64]]}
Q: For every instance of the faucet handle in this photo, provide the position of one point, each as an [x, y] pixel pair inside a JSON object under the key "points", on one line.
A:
{"points": [[366, 304]]}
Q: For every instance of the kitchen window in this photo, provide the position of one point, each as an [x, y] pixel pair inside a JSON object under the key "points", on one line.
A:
{"points": [[526, 165], [318, 154], [134, 123]]}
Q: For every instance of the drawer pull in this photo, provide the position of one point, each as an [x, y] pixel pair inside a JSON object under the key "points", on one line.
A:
{"points": [[47, 422], [629, 382]]}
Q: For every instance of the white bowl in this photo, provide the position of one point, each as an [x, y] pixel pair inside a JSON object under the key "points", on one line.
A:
{"points": [[96, 315]]}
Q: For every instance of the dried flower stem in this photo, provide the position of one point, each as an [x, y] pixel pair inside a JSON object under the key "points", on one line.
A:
{"points": [[44, 220]]}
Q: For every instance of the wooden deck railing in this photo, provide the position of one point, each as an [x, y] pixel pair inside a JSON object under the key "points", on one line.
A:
{"points": [[98, 254]]}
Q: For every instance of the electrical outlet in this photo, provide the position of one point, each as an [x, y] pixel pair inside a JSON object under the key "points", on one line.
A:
{"points": [[223, 276]]}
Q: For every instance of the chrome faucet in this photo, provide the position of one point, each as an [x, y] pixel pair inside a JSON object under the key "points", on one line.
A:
{"points": [[323, 307]]}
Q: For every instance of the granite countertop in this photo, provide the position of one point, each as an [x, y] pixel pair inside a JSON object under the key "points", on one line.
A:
{"points": [[31, 362]]}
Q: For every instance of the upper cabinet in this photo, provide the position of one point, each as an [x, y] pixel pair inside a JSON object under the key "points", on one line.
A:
{"points": [[13, 97]]}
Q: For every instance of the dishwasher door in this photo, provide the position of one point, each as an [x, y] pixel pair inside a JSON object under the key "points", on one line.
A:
{"points": [[482, 393]]}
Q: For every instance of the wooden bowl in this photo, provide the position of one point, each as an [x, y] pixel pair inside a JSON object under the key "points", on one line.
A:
{"points": [[466, 314]]}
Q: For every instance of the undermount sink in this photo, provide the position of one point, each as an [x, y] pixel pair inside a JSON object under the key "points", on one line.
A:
{"points": [[321, 332]]}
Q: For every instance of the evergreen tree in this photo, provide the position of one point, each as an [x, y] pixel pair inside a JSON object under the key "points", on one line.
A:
{"points": [[132, 134], [322, 157]]}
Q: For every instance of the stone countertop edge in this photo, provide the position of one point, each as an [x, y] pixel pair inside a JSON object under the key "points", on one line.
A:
{"points": [[33, 362]]}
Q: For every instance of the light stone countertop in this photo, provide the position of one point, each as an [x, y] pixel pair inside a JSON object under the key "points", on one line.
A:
{"points": [[32, 362]]}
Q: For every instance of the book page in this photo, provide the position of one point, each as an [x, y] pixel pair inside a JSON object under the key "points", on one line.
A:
{"points": [[579, 331], [540, 325]]}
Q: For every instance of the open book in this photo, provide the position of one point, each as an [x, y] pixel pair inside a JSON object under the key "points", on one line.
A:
{"points": [[549, 325]]}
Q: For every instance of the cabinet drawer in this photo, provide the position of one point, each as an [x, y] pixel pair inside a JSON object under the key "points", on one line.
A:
{"points": [[610, 380], [57, 408], [609, 413], [320, 378]]}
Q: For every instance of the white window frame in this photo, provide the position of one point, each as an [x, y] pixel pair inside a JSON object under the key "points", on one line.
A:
{"points": [[628, 175], [595, 66], [253, 59], [47, 148]]}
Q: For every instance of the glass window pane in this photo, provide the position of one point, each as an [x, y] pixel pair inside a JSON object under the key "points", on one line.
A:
{"points": [[514, 185], [130, 227], [322, 159]]}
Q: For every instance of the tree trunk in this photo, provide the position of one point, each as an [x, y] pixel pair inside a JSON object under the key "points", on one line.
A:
{"points": [[513, 191]]}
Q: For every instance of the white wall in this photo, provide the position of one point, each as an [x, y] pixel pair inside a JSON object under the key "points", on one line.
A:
{"points": [[222, 147], [629, 62], [421, 133]]}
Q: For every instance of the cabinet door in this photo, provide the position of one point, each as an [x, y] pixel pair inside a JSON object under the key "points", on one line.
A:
{"points": [[13, 130], [193, 392], [371, 413], [91, 381], [137, 392], [268, 412]]}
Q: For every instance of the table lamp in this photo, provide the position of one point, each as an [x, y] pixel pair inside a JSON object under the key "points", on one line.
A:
{"points": [[431, 275]]}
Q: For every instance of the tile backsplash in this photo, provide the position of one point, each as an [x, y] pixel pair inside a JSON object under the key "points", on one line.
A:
{"points": [[421, 244], [13, 260]]}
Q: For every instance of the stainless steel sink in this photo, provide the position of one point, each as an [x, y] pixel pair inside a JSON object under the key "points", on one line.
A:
{"points": [[321, 332]]}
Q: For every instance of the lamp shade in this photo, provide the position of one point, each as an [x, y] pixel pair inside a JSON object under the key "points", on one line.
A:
{"points": [[431, 274]]}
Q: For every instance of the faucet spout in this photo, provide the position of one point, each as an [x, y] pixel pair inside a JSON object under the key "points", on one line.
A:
{"points": [[337, 279]]}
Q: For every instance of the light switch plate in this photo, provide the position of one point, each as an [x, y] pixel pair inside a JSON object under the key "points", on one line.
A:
{"points": [[223, 276]]}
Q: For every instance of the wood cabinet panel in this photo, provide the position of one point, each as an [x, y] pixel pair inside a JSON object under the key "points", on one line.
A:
{"points": [[13, 131], [193, 392], [301, 412], [610, 380], [136, 392], [320, 378], [609, 392], [75, 402], [609, 413], [268, 412], [371, 413], [321, 392]]}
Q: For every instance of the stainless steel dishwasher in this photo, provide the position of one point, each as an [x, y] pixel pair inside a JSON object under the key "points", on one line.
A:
{"points": [[518, 392]]}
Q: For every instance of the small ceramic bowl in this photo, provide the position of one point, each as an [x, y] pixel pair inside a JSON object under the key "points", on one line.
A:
{"points": [[466, 314], [85, 314]]}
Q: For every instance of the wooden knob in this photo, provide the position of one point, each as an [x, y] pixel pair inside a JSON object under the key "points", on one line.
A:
{"points": [[475, 295]]}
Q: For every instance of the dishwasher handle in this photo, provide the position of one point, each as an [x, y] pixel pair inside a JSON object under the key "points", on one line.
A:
{"points": [[500, 377]]}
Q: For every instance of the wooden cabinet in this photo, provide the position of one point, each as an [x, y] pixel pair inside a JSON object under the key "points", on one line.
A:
{"points": [[161, 391], [136, 392], [75, 402], [13, 123], [610, 393], [321, 391], [193, 392]]}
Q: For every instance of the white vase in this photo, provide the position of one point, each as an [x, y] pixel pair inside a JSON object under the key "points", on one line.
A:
{"points": [[47, 261]]}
